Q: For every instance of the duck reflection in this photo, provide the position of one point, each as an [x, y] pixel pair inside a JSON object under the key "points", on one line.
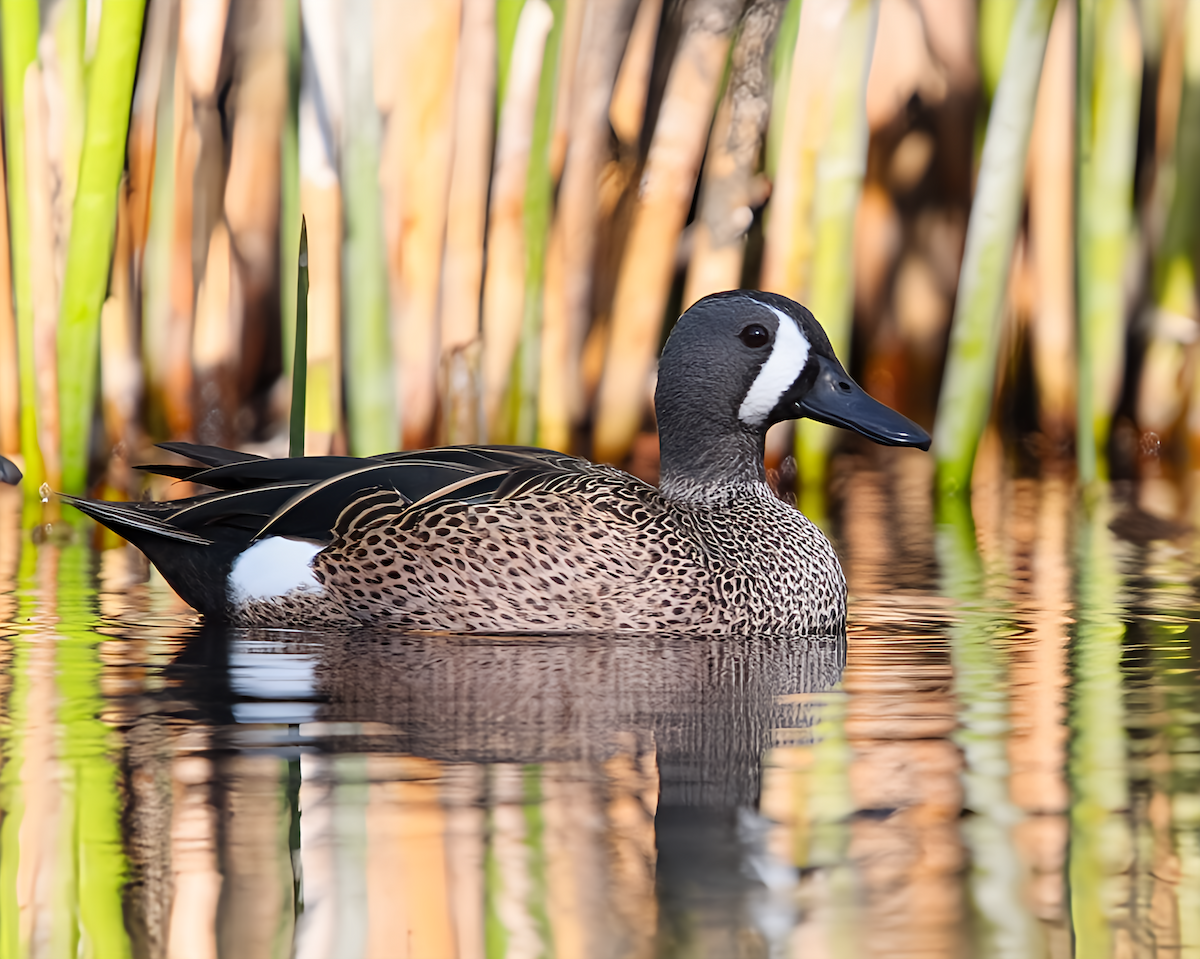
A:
{"points": [[467, 796]]}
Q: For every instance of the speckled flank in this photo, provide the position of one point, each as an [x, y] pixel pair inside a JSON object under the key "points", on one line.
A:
{"points": [[583, 548]]}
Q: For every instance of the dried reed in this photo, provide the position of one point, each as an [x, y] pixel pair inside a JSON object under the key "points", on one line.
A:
{"points": [[729, 192], [513, 293], [668, 183], [417, 95], [466, 225], [572, 249]]}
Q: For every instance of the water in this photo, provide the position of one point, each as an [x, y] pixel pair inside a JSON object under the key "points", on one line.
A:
{"points": [[1001, 758]]}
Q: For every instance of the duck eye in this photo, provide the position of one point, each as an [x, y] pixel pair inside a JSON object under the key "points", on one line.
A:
{"points": [[755, 336]]}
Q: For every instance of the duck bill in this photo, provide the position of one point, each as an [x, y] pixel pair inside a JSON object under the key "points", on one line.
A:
{"points": [[836, 399]]}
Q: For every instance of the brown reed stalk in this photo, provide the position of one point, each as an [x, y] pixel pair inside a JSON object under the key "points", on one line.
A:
{"points": [[628, 107], [202, 26], [1051, 178], [504, 283], [419, 147], [197, 151], [466, 222], [216, 340], [120, 366], [572, 250], [177, 384], [43, 273], [564, 97], [252, 186], [667, 187], [153, 283], [143, 123], [728, 192]]}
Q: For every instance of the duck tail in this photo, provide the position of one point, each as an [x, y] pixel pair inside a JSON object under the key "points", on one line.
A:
{"points": [[130, 522], [197, 567]]}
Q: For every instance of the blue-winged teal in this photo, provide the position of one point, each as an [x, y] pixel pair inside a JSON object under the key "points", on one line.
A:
{"points": [[516, 539]]}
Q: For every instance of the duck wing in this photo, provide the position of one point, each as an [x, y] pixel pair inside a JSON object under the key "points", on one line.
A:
{"points": [[231, 470], [194, 541]]}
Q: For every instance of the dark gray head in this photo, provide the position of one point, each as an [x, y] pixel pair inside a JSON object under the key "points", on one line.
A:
{"points": [[734, 364]]}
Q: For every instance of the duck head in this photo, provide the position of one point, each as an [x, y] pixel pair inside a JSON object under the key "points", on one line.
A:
{"points": [[738, 362]]}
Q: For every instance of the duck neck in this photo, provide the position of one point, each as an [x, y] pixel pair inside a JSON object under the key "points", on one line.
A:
{"points": [[707, 467]]}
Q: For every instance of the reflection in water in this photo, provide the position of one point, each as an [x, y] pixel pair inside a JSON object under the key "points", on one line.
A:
{"points": [[1000, 760], [462, 794]]}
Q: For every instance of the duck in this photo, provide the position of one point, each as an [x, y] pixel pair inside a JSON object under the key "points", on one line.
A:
{"points": [[511, 539]]}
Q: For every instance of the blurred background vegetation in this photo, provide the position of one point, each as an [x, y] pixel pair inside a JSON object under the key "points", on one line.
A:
{"points": [[993, 206]]}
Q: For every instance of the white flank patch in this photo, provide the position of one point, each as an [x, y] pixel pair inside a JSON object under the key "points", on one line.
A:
{"points": [[787, 359], [274, 567]]}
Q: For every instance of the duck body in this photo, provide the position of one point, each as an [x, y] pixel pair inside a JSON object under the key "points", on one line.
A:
{"points": [[585, 548], [515, 539]]}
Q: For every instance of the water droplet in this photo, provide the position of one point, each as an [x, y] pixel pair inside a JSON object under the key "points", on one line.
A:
{"points": [[44, 490]]}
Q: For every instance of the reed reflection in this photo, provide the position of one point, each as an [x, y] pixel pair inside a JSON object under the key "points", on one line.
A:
{"points": [[470, 796], [1006, 763]]}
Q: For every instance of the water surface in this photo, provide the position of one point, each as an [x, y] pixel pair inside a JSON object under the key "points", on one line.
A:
{"points": [[1000, 758]]}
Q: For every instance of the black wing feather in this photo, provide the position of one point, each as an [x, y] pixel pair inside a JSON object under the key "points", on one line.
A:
{"points": [[209, 455]]}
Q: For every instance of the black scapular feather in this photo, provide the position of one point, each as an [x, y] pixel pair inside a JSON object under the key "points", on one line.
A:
{"points": [[195, 541]]}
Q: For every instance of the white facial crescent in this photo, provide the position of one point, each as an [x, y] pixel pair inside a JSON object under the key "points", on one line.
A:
{"points": [[787, 359]]}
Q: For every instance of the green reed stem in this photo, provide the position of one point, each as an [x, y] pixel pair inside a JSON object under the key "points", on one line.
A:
{"points": [[495, 933], [14, 734], [1005, 925], [289, 185], [93, 220], [94, 859], [781, 63], [1109, 77], [538, 209], [300, 349], [995, 25], [18, 46], [508, 14], [839, 179], [1177, 263], [369, 387], [1181, 242], [967, 386], [1099, 849], [535, 840]]}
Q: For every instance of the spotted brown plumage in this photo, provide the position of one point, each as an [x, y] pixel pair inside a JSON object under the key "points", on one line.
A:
{"points": [[501, 539], [592, 549]]}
